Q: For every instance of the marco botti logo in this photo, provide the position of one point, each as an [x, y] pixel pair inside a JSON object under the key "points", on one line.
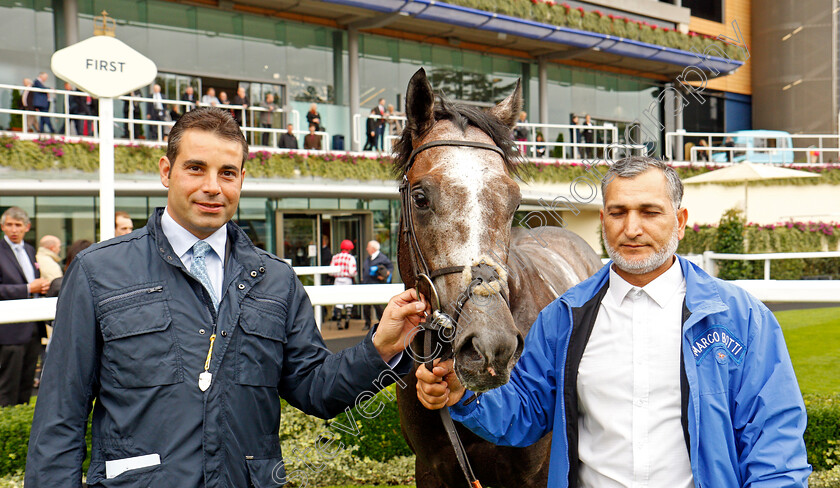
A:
{"points": [[720, 342]]}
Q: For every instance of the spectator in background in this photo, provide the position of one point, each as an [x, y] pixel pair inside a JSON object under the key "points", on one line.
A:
{"points": [[312, 141], [240, 99], [30, 122], [48, 258], [189, 96], [326, 257], [702, 150], [344, 277], [40, 101], [75, 106], [20, 343], [540, 149], [520, 133], [223, 100], [267, 117], [380, 124], [313, 117], [588, 137], [134, 107], [122, 224], [288, 140], [376, 270], [92, 108], [576, 136], [730, 155], [209, 97], [155, 111], [75, 248], [395, 125], [370, 131]]}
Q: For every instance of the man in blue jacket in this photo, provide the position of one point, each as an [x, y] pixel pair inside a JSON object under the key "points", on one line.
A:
{"points": [[651, 372], [41, 101], [182, 336]]}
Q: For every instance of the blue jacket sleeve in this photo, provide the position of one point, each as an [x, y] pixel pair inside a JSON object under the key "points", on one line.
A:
{"points": [[68, 385], [520, 412], [770, 415]]}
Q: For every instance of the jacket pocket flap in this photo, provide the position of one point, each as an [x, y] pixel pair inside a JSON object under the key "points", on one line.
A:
{"points": [[139, 319], [262, 323]]}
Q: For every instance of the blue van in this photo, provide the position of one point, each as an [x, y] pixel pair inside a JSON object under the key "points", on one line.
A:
{"points": [[746, 141]]}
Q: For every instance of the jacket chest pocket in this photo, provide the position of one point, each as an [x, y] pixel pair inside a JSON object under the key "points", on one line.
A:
{"points": [[139, 346], [260, 347]]}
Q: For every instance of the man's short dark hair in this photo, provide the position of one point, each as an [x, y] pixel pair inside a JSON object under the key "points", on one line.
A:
{"points": [[210, 119]]}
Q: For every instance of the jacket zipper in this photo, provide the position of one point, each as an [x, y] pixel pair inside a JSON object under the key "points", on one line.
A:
{"points": [[155, 289], [266, 300]]}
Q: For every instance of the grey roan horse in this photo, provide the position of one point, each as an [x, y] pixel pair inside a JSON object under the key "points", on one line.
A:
{"points": [[463, 200]]}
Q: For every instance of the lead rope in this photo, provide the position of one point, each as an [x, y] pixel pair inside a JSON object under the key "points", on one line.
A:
{"points": [[449, 425]]}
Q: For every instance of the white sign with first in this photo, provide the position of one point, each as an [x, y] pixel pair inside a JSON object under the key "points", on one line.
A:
{"points": [[103, 66]]}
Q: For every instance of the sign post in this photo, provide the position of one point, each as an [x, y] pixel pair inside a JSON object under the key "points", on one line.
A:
{"points": [[106, 68]]}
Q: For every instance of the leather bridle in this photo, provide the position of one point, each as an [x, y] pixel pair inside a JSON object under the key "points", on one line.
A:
{"points": [[439, 319]]}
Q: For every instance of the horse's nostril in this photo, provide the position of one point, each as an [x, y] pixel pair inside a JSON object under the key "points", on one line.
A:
{"points": [[469, 352]]}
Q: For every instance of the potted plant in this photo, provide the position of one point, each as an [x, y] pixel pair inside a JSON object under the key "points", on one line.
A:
{"points": [[16, 120]]}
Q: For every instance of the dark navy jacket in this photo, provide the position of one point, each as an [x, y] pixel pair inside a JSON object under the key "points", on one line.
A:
{"points": [[132, 332], [13, 286]]}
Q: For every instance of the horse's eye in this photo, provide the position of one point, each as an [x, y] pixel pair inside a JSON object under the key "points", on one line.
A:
{"points": [[420, 200]]}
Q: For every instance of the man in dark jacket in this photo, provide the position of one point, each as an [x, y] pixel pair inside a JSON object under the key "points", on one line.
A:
{"points": [[183, 336], [19, 278], [288, 140], [40, 101], [377, 269]]}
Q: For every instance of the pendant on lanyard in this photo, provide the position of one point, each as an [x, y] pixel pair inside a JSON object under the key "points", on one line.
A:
{"points": [[206, 377]]}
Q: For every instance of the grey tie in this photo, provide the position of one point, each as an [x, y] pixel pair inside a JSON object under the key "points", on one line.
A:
{"points": [[25, 263], [199, 269]]}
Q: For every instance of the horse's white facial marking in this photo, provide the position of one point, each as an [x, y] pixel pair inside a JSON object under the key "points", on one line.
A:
{"points": [[467, 173]]}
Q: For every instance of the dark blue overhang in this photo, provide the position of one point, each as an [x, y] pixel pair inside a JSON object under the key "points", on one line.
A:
{"points": [[537, 38]]}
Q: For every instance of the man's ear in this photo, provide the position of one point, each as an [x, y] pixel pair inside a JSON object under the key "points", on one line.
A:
{"points": [[242, 173], [682, 219], [165, 168]]}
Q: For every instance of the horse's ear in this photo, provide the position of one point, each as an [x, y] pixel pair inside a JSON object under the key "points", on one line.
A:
{"points": [[508, 109], [419, 104]]}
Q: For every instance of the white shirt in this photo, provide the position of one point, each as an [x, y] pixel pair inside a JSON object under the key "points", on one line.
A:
{"points": [[22, 259], [373, 256], [182, 242], [630, 431]]}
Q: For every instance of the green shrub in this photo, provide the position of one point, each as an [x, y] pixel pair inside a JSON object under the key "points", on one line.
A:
{"points": [[16, 120], [381, 438], [15, 424], [730, 239], [823, 432]]}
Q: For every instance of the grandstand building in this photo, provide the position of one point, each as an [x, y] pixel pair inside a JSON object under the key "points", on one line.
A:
{"points": [[629, 64]]}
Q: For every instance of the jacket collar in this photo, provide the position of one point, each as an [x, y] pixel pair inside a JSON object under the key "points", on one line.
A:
{"points": [[238, 243]]}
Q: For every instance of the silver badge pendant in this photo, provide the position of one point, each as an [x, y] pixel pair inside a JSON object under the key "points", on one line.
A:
{"points": [[204, 380]]}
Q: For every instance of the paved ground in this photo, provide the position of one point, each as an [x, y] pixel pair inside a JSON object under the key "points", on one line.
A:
{"points": [[340, 339]]}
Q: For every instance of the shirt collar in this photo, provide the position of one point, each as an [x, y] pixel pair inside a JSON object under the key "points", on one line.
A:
{"points": [[373, 256], [660, 289], [183, 240]]}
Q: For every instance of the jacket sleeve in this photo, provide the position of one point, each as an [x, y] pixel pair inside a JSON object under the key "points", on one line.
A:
{"points": [[68, 385], [770, 415], [520, 412], [320, 383]]}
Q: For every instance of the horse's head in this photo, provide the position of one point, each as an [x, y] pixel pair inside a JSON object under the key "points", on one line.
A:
{"points": [[462, 199]]}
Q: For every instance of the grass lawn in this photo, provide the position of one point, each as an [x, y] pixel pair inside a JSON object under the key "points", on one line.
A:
{"points": [[813, 340]]}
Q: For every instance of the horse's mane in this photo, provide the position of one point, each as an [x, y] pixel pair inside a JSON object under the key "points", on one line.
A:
{"points": [[462, 116]]}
